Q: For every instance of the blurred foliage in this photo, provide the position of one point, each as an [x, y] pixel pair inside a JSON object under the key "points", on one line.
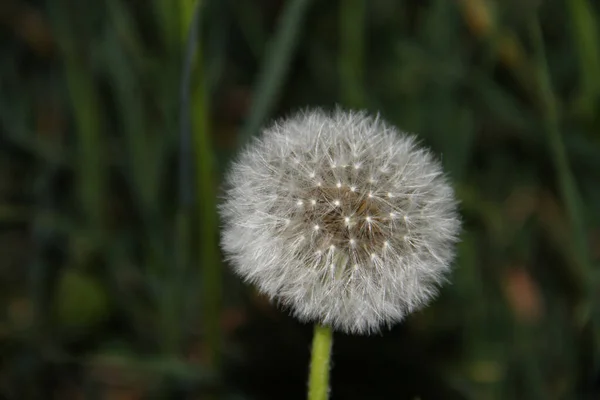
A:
{"points": [[109, 170]]}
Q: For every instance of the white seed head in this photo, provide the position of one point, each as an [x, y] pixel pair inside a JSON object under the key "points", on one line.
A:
{"points": [[347, 260]]}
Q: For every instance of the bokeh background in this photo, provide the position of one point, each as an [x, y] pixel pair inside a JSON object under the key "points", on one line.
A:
{"points": [[116, 127]]}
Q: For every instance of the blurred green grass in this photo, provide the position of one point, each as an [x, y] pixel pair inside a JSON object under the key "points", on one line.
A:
{"points": [[109, 180]]}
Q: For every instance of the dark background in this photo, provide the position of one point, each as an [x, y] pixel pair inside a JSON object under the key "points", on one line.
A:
{"points": [[111, 280]]}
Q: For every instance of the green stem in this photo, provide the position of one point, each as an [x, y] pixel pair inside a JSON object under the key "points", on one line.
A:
{"points": [[318, 384]]}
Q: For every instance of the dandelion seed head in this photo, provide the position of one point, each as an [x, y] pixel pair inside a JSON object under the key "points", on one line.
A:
{"points": [[346, 260]]}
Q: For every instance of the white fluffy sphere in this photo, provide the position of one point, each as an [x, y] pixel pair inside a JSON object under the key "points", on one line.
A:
{"points": [[341, 218]]}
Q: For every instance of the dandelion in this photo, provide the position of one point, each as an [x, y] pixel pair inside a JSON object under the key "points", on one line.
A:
{"points": [[341, 218]]}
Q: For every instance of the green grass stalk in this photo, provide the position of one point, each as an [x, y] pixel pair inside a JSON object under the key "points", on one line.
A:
{"points": [[205, 188], [569, 193], [275, 66]]}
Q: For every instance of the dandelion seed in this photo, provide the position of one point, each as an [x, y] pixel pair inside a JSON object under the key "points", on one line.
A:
{"points": [[374, 273]]}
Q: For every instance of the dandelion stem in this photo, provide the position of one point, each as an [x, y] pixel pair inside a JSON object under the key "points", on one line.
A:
{"points": [[318, 384]]}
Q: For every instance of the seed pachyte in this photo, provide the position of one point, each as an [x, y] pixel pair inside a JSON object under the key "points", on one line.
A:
{"points": [[340, 217]]}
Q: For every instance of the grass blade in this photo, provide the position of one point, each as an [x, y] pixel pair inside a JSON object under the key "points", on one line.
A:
{"points": [[566, 182], [352, 49], [275, 66]]}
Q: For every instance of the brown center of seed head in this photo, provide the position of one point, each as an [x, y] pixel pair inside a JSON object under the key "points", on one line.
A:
{"points": [[346, 219]]}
